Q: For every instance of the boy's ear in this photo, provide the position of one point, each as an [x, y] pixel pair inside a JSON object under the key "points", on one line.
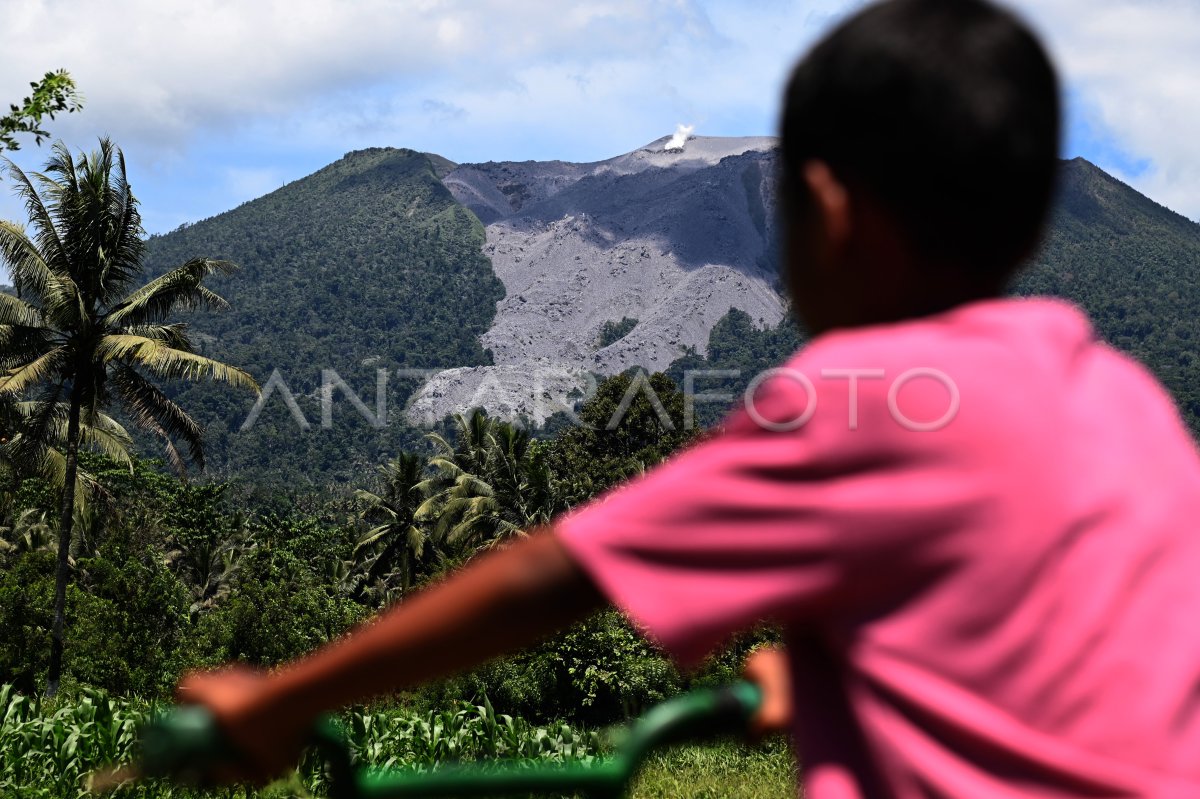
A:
{"points": [[830, 202]]}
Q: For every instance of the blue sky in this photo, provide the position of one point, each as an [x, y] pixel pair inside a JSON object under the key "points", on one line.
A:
{"points": [[218, 102]]}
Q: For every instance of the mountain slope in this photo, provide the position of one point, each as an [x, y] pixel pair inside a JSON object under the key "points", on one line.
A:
{"points": [[653, 258], [1135, 267], [368, 263], [669, 240]]}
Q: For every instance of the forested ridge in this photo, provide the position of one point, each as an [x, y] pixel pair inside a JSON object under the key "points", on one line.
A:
{"points": [[1134, 266], [368, 263]]}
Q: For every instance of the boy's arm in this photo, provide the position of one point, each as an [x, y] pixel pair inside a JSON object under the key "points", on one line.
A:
{"points": [[502, 602]]}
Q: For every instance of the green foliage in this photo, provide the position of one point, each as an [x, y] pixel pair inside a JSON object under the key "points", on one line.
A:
{"points": [[46, 749], [632, 422], [126, 603], [205, 543], [611, 332], [737, 345], [597, 672], [392, 549], [463, 732], [54, 93], [280, 610], [723, 770], [26, 599], [127, 622], [180, 576], [79, 335], [488, 486]]}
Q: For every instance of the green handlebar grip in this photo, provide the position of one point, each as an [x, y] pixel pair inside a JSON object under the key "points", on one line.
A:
{"points": [[692, 716], [183, 743]]}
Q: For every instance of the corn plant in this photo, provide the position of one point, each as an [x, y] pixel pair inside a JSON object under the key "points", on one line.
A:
{"points": [[48, 747], [45, 749]]}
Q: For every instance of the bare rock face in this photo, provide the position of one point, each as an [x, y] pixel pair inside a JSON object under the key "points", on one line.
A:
{"points": [[670, 238], [523, 393]]}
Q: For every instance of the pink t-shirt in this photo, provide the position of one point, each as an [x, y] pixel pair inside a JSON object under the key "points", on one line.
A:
{"points": [[982, 549]]}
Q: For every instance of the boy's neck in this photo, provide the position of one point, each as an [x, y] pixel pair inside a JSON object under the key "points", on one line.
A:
{"points": [[937, 293]]}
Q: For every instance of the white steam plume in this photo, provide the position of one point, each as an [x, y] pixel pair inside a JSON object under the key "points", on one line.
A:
{"points": [[680, 137]]}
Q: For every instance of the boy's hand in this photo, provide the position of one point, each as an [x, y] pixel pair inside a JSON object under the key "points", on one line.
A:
{"points": [[768, 668], [264, 731]]}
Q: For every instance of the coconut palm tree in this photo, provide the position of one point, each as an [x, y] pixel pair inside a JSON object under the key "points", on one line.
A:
{"points": [[30, 532], [487, 487], [208, 565], [80, 331], [37, 449], [396, 542]]}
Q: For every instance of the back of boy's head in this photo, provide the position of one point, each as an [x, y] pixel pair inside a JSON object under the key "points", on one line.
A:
{"points": [[947, 113]]}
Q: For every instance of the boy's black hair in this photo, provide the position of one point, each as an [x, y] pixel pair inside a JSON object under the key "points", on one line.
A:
{"points": [[947, 111]]}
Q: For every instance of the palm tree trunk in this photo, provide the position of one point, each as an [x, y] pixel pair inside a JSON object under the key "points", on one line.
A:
{"points": [[405, 570], [66, 520]]}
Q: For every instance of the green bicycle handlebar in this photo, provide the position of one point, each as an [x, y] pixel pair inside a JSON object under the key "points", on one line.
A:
{"points": [[185, 744]]}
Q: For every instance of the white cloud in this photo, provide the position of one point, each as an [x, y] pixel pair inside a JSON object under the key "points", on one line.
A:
{"points": [[285, 86], [1135, 64], [160, 73]]}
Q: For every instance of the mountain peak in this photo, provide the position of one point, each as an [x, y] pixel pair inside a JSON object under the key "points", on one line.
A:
{"points": [[697, 152], [1088, 192]]}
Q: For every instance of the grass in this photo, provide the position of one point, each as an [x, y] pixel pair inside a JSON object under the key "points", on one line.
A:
{"points": [[722, 770]]}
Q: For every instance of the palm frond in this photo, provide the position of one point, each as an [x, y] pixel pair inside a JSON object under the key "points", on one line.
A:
{"points": [[52, 468], [179, 288], [42, 425], [469, 485], [440, 443], [20, 344], [36, 371], [429, 509], [15, 311], [372, 535], [370, 498], [63, 304], [169, 362], [173, 335], [31, 427], [49, 243], [26, 264], [58, 295], [125, 250], [101, 433], [153, 411]]}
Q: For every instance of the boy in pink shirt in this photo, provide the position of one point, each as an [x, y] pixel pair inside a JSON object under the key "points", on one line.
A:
{"points": [[970, 518]]}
